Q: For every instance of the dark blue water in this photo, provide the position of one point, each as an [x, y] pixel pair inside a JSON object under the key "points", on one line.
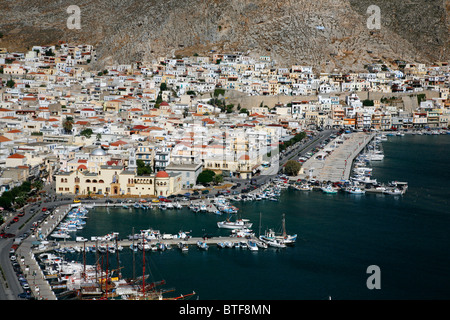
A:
{"points": [[340, 235]]}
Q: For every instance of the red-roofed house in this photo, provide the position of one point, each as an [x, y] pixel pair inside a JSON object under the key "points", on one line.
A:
{"points": [[15, 160], [87, 112]]}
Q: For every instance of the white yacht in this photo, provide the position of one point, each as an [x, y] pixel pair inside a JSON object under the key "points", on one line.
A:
{"points": [[238, 224]]}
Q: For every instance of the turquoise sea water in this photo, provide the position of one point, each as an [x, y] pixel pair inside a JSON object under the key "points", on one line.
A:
{"points": [[340, 235]]}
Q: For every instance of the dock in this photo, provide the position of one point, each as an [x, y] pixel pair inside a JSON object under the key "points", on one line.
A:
{"points": [[39, 285], [334, 162], [192, 241]]}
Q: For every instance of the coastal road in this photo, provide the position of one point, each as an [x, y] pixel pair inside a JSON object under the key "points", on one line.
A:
{"points": [[293, 153], [9, 284]]}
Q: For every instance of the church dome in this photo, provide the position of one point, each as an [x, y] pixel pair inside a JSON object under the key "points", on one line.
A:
{"points": [[162, 174], [98, 152]]}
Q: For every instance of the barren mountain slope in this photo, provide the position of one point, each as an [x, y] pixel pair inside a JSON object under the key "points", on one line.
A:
{"points": [[325, 33]]}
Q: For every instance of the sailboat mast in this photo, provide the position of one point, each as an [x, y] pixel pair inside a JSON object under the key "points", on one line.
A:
{"points": [[134, 271], [143, 266], [97, 261], [106, 274], [118, 260], [84, 261], [260, 224]]}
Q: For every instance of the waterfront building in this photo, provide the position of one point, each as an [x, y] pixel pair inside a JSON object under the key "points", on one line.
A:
{"points": [[117, 180]]}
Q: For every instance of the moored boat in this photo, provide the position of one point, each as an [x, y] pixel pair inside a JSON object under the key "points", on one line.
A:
{"points": [[252, 245], [238, 224], [202, 245], [329, 189]]}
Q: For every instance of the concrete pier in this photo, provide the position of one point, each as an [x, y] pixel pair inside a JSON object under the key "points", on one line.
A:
{"points": [[127, 243], [334, 162], [39, 286]]}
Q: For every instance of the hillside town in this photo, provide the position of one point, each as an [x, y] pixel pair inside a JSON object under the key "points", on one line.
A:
{"points": [[90, 131]]}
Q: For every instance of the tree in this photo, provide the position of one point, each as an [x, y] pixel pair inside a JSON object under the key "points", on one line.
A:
{"points": [[10, 83], [68, 125], [86, 132], [218, 178], [218, 92], [292, 167], [49, 53], [206, 176], [185, 112], [142, 168]]}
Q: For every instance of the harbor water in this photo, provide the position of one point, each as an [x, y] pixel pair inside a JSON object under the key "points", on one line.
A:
{"points": [[339, 237]]}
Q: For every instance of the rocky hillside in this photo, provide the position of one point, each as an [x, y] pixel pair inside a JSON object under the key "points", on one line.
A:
{"points": [[328, 34]]}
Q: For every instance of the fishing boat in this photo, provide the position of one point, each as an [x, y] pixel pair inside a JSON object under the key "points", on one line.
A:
{"points": [[272, 239], [305, 187], [273, 242], [363, 179], [60, 235], [329, 189], [228, 244], [252, 245], [238, 224], [221, 245], [178, 206], [363, 171], [356, 190], [202, 245], [261, 244], [170, 205], [144, 245], [183, 246], [194, 208], [374, 156], [394, 191]]}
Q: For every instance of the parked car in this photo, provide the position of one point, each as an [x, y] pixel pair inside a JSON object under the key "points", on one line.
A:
{"points": [[7, 235], [25, 285], [25, 295]]}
